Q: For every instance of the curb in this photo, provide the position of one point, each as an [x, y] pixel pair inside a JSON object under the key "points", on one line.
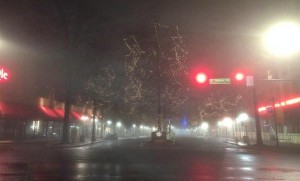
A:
{"points": [[266, 148], [74, 145]]}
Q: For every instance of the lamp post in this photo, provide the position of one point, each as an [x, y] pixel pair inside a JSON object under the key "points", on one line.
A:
{"points": [[133, 126], [83, 118], [119, 124], [282, 40], [108, 124], [227, 122]]}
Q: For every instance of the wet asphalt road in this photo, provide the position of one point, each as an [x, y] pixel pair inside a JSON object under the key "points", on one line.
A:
{"points": [[191, 158]]}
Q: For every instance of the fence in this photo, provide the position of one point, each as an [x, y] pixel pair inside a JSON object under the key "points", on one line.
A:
{"points": [[290, 138]]}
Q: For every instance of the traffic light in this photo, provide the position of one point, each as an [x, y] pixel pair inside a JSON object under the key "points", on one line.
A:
{"points": [[239, 78], [201, 78]]}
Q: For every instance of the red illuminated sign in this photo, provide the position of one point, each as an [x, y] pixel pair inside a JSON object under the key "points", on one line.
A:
{"points": [[285, 103], [3, 74]]}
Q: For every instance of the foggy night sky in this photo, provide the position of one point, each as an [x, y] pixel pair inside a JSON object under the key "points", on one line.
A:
{"points": [[219, 35]]}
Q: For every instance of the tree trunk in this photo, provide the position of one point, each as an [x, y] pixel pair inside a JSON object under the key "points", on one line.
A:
{"points": [[94, 122], [102, 123], [159, 116], [66, 123]]}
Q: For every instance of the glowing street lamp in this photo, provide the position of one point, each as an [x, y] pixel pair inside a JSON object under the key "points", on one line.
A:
{"points": [[83, 118], [283, 39], [119, 124], [242, 117], [227, 122]]}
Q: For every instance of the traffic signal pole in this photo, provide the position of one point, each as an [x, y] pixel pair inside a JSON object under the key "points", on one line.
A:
{"points": [[259, 141]]}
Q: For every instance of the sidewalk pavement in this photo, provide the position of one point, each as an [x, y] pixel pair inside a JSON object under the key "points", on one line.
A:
{"points": [[283, 147], [51, 143]]}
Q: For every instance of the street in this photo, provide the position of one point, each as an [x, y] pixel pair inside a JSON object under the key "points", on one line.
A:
{"points": [[191, 158]]}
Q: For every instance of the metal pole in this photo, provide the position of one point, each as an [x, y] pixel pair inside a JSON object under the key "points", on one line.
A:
{"points": [[257, 120], [275, 121]]}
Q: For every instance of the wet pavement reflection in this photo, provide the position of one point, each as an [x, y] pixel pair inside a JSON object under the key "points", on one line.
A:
{"points": [[189, 159]]}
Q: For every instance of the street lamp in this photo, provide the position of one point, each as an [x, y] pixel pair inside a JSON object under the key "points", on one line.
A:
{"points": [[282, 39], [227, 122], [243, 117], [133, 126], [119, 124], [83, 118], [108, 125]]}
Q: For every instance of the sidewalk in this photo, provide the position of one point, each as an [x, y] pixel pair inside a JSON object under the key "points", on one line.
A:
{"points": [[86, 142], [283, 147], [50, 143]]}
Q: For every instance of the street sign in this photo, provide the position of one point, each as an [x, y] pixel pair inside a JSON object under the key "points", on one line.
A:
{"points": [[249, 81], [220, 81]]}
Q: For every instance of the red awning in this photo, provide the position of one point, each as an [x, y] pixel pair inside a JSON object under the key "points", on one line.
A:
{"points": [[55, 113], [23, 111]]}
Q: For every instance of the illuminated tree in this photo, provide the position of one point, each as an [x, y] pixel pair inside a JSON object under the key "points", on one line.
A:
{"points": [[217, 105], [156, 68], [100, 93]]}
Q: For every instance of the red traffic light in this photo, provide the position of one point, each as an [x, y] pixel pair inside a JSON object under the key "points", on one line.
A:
{"points": [[239, 76], [201, 78]]}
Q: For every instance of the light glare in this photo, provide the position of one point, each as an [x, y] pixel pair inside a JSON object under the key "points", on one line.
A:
{"points": [[283, 39]]}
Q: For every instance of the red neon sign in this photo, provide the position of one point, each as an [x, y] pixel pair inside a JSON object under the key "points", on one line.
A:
{"points": [[285, 103], [3, 74]]}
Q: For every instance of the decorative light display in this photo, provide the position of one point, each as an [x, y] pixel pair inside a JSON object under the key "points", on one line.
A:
{"points": [[155, 68]]}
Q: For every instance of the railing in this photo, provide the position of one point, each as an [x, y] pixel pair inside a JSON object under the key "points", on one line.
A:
{"points": [[291, 138]]}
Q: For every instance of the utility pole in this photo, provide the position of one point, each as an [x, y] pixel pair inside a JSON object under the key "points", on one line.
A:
{"points": [[259, 141]]}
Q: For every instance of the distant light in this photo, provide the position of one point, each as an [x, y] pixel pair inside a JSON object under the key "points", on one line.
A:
{"points": [[227, 122], [204, 126], [84, 118], [134, 125], [243, 117], [109, 122], [283, 39], [220, 123], [119, 124]]}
